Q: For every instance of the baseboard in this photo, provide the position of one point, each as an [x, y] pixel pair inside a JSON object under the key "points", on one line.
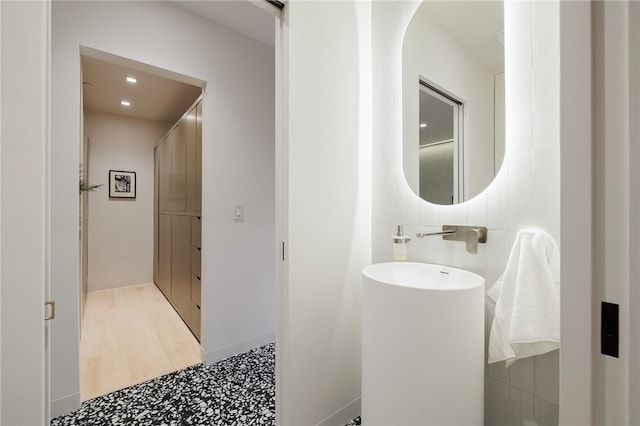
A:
{"points": [[65, 405], [236, 348], [99, 286], [343, 415]]}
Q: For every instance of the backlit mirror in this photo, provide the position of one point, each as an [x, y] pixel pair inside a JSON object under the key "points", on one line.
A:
{"points": [[453, 99]]}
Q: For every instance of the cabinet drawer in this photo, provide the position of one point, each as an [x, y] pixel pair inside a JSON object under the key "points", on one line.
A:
{"points": [[196, 289], [195, 260], [196, 231]]}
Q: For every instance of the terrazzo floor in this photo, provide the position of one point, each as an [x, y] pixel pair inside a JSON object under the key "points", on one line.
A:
{"points": [[238, 391]]}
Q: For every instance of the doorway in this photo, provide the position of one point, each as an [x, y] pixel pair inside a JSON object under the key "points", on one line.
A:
{"points": [[127, 111], [238, 154]]}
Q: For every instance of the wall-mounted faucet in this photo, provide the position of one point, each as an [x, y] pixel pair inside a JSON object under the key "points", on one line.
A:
{"points": [[471, 235]]}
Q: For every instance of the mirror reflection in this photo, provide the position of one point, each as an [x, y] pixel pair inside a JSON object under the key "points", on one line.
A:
{"points": [[441, 128], [453, 99]]}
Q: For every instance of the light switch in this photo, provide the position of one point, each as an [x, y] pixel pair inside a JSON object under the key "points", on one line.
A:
{"points": [[238, 213]]}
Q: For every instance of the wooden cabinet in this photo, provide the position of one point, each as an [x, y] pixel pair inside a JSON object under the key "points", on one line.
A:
{"points": [[196, 275], [191, 159], [163, 181], [198, 178], [181, 264], [163, 279], [178, 180], [177, 145]]}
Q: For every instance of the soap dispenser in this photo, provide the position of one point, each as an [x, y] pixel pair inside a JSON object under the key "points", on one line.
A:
{"points": [[400, 245]]}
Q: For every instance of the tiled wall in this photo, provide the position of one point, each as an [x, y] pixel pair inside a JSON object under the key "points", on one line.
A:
{"points": [[526, 191]]}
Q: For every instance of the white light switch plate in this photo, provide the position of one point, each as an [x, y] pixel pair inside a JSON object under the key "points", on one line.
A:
{"points": [[238, 213]]}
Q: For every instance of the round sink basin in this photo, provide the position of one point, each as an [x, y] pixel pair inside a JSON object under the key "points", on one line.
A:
{"points": [[423, 345], [422, 276]]}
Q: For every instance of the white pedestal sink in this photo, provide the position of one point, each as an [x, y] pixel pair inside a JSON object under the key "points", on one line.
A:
{"points": [[423, 345]]}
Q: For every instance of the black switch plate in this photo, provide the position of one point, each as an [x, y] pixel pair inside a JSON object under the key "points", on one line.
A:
{"points": [[610, 332]]}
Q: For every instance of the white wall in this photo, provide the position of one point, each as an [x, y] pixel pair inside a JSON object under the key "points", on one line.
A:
{"points": [[526, 191], [121, 229], [326, 210], [238, 158], [431, 53]]}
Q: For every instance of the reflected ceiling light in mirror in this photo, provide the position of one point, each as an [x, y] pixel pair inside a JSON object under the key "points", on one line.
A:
{"points": [[125, 103], [132, 80], [423, 125]]}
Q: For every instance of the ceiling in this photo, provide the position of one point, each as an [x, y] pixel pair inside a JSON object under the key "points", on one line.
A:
{"points": [[152, 97], [240, 15], [155, 96]]}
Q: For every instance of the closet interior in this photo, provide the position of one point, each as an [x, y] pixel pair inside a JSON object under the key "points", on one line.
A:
{"points": [[178, 216]]}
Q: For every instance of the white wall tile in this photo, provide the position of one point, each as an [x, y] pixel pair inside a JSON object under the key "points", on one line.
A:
{"points": [[477, 212], [499, 243], [378, 253], [546, 32], [385, 198], [521, 375], [498, 371], [476, 263], [517, 35], [421, 250], [521, 407], [497, 403], [399, 200], [413, 207], [546, 106], [546, 413], [520, 189], [546, 191], [426, 213], [459, 256], [518, 114], [546, 373], [498, 200], [450, 215], [443, 251]]}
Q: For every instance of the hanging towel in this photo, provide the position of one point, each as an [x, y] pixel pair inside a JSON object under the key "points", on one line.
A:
{"points": [[527, 300]]}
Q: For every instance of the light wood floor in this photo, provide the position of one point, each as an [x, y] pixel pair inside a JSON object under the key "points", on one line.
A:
{"points": [[130, 335]]}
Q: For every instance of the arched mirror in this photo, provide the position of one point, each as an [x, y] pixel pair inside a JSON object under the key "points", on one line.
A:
{"points": [[453, 99]]}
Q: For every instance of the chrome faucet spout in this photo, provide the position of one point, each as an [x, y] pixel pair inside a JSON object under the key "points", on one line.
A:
{"points": [[428, 234], [471, 235]]}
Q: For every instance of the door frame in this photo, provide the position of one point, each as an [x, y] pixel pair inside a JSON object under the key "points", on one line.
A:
{"points": [[24, 145]]}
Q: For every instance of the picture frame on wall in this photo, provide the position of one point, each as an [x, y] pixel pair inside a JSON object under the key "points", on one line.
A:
{"points": [[122, 184]]}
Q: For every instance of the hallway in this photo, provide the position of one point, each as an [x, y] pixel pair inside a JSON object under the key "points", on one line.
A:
{"points": [[130, 335]]}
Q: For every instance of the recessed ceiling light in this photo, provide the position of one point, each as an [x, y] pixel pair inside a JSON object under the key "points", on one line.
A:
{"points": [[132, 79], [125, 103], [423, 124]]}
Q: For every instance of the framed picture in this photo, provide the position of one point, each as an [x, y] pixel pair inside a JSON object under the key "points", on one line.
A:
{"points": [[122, 184]]}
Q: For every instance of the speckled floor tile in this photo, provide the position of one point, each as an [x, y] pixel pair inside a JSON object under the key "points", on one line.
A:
{"points": [[355, 422], [238, 391]]}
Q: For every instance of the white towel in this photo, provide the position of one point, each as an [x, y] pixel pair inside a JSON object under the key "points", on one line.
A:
{"points": [[527, 300]]}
